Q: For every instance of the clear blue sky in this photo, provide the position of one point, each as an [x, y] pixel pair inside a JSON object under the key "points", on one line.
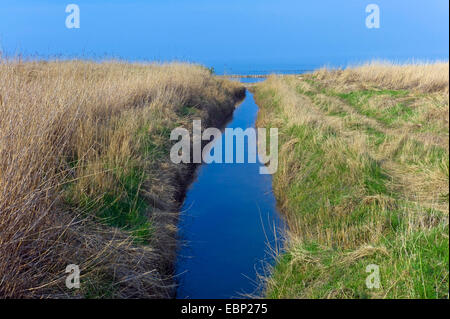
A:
{"points": [[230, 35]]}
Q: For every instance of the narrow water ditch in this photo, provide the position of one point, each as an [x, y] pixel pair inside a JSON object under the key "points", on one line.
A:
{"points": [[228, 224]]}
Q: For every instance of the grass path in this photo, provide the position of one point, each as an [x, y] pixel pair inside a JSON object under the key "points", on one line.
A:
{"points": [[363, 179]]}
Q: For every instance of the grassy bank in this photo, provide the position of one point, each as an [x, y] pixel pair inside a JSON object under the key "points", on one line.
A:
{"points": [[363, 179], [85, 175]]}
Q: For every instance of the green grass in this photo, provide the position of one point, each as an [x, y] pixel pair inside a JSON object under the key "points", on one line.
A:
{"points": [[387, 116], [315, 183], [415, 152], [187, 110], [376, 137], [124, 206], [128, 210], [271, 96], [325, 181], [398, 111], [359, 101], [374, 178], [416, 266], [102, 287]]}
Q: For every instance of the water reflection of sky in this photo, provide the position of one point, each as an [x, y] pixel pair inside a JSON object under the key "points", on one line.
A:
{"points": [[229, 220]]}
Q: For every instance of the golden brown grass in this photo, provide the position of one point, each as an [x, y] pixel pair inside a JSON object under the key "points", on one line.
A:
{"points": [[423, 77], [362, 179], [85, 176]]}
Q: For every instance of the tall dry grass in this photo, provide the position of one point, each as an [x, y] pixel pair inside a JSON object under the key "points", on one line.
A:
{"points": [[68, 132], [423, 77]]}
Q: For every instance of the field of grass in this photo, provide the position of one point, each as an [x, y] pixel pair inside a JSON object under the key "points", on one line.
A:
{"points": [[85, 175], [363, 180]]}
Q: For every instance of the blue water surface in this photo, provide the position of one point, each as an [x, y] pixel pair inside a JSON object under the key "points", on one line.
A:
{"points": [[229, 225]]}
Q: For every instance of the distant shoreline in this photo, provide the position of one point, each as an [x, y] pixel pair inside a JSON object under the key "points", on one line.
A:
{"points": [[261, 76], [247, 76]]}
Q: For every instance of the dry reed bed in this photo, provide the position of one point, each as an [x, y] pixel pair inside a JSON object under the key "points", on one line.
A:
{"points": [[85, 176]]}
